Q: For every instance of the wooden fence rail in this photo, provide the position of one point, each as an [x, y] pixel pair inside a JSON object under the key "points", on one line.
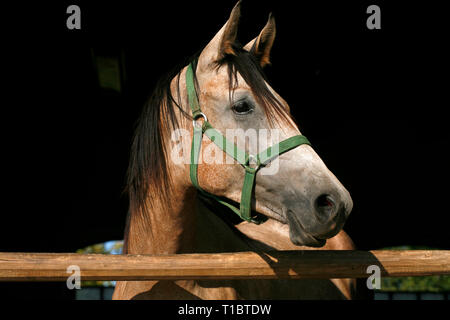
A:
{"points": [[238, 265]]}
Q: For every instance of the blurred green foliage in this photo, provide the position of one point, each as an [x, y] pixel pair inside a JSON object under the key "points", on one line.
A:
{"points": [[110, 247], [439, 283]]}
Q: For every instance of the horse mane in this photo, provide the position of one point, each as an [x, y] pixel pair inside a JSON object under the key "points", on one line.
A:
{"points": [[148, 155]]}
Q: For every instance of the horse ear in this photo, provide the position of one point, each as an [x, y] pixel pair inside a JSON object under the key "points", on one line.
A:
{"points": [[222, 43], [260, 46]]}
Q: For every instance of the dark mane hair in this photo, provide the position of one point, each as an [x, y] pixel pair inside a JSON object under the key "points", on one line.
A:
{"points": [[148, 155], [148, 160]]}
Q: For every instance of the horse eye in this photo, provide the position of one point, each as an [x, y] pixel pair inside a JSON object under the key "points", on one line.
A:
{"points": [[242, 107]]}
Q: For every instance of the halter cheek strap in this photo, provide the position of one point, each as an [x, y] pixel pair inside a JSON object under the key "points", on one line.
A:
{"points": [[251, 163]]}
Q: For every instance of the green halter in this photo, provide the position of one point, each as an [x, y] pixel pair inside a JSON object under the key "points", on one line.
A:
{"points": [[242, 157]]}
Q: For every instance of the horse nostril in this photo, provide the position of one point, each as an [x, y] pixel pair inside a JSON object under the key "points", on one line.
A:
{"points": [[325, 200], [325, 205]]}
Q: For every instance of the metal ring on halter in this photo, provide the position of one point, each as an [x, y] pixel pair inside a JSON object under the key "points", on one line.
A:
{"points": [[256, 161], [201, 114]]}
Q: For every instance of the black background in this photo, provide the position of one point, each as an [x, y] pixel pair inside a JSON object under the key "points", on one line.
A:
{"points": [[372, 102]]}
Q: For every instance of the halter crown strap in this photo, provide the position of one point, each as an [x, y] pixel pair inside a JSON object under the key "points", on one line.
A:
{"points": [[241, 156], [192, 93]]}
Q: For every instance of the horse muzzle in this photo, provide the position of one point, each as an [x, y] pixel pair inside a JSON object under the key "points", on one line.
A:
{"points": [[311, 223]]}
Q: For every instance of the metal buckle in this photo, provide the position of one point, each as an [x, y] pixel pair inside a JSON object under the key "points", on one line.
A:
{"points": [[201, 114]]}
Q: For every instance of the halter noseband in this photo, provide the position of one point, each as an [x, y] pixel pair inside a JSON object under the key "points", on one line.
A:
{"points": [[241, 156]]}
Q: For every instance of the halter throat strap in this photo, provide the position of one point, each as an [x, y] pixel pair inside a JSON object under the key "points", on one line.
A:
{"points": [[250, 163]]}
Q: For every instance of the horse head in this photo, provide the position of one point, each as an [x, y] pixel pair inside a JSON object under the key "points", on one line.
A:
{"points": [[296, 189]]}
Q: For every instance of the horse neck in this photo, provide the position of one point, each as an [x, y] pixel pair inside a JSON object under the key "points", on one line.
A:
{"points": [[167, 225], [163, 228]]}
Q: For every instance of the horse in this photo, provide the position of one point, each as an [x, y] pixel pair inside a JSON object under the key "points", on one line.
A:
{"points": [[302, 205]]}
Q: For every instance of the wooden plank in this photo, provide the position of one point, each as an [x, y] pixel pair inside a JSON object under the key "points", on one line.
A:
{"points": [[238, 265]]}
